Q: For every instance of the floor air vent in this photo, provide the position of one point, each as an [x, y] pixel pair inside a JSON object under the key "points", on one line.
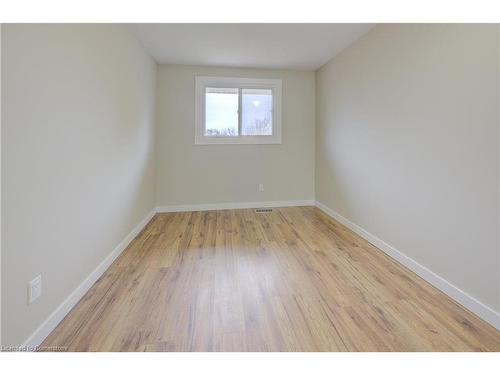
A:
{"points": [[263, 210]]}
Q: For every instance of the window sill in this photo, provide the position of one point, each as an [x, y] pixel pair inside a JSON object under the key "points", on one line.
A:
{"points": [[241, 140]]}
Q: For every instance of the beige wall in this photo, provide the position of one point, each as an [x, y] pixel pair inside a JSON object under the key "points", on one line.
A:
{"points": [[407, 146], [77, 158], [406, 143], [0, 185], [200, 174]]}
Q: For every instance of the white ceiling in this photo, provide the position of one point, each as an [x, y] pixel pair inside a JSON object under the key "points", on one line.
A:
{"points": [[291, 46]]}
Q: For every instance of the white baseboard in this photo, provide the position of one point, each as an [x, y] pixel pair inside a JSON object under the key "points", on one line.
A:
{"points": [[233, 205], [480, 309], [64, 308]]}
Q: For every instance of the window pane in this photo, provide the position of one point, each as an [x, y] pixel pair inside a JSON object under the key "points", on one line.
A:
{"points": [[257, 112], [221, 112]]}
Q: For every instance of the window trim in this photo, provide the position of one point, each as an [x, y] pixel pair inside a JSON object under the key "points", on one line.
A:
{"points": [[201, 82]]}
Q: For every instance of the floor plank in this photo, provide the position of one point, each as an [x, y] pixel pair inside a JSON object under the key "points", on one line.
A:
{"points": [[289, 280]]}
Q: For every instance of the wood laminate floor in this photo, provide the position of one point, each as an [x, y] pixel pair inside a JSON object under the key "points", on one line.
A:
{"points": [[289, 280]]}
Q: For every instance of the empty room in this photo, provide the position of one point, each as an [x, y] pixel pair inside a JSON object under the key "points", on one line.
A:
{"points": [[250, 187]]}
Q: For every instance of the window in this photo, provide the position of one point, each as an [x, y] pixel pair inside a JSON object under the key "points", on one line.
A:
{"points": [[238, 111]]}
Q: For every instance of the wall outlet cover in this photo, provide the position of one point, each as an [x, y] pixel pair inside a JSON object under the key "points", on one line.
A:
{"points": [[35, 289]]}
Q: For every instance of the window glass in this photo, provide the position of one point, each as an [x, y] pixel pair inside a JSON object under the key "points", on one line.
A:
{"points": [[257, 112], [221, 112]]}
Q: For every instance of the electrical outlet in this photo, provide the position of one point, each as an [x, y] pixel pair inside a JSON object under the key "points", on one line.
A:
{"points": [[261, 187], [35, 289]]}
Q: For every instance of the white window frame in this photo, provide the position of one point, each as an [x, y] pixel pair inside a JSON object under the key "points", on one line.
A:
{"points": [[202, 82]]}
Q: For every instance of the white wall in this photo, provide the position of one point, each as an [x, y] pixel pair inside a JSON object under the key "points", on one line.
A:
{"points": [[77, 158], [407, 146], [202, 174]]}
